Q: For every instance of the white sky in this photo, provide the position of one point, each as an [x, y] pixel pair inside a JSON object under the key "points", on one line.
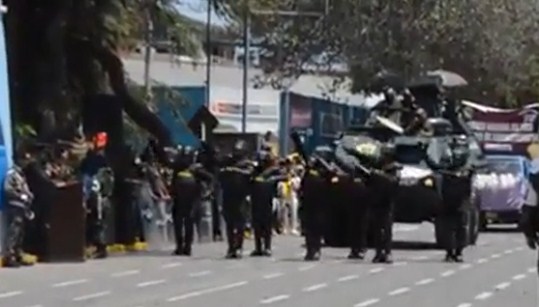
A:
{"points": [[197, 10]]}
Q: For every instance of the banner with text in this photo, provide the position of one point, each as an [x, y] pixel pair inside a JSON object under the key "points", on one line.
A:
{"points": [[505, 132]]}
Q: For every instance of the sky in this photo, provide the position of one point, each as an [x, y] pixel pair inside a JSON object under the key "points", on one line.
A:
{"points": [[197, 10]]}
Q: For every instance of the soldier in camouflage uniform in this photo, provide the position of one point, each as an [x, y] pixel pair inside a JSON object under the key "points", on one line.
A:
{"points": [[18, 198]]}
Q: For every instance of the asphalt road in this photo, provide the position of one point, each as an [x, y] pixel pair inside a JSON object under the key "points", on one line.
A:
{"points": [[498, 272]]}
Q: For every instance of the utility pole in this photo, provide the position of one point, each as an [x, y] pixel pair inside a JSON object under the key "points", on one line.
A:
{"points": [[148, 23], [203, 132], [246, 60], [285, 126]]}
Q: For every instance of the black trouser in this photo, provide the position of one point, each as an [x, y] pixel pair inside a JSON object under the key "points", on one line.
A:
{"points": [[184, 224], [382, 218], [314, 227], [454, 230], [15, 233], [262, 225], [96, 228], [216, 212], [358, 218], [235, 224]]}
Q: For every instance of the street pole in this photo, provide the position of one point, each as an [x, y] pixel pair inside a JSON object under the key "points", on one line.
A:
{"points": [[208, 52], [203, 131], [148, 50], [246, 59]]}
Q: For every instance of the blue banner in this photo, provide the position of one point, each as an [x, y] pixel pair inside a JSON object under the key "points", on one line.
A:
{"points": [[6, 138]]}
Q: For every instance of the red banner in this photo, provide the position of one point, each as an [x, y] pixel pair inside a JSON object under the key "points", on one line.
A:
{"points": [[505, 132]]}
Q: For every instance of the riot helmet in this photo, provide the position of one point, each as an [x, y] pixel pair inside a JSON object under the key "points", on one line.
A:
{"points": [[460, 151], [239, 151]]}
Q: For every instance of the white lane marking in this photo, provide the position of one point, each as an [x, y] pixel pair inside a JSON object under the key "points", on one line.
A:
{"points": [[400, 263], [348, 278], [91, 296], [235, 266], [36, 306], [503, 286], [151, 283], [171, 265], [199, 274], [315, 287], [495, 256], [399, 291], [10, 294], [532, 270], [419, 258], [368, 302], [483, 296], [465, 266], [274, 299], [508, 251], [465, 305], [519, 277], [447, 273], [519, 249], [207, 291], [125, 273], [376, 270], [482, 260], [306, 267], [273, 275], [70, 283], [425, 281]]}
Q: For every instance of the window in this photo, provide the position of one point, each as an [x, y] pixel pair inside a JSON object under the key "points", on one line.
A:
{"points": [[330, 124]]}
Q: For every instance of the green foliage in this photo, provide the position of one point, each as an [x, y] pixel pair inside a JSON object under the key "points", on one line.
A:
{"points": [[493, 44]]}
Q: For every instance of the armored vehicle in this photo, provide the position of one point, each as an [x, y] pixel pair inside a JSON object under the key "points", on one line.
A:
{"points": [[420, 187]]}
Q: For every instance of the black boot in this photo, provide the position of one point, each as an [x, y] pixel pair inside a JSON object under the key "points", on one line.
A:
{"points": [[388, 258], [378, 258], [267, 252], [356, 255], [11, 262], [449, 256], [257, 253], [457, 257], [187, 251], [101, 252]]}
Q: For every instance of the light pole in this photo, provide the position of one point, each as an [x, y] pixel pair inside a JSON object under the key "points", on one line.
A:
{"points": [[148, 23], [285, 126], [246, 59], [203, 132]]}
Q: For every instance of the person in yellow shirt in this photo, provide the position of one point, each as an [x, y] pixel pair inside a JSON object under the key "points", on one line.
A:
{"points": [[288, 200]]}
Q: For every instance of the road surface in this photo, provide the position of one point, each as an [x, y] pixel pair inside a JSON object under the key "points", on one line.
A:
{"points": [[499, 272]]}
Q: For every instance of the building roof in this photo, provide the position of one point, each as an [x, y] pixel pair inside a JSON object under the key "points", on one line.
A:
{"points": [[188, 74]]}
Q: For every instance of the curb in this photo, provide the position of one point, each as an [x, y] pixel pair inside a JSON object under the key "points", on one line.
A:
{"points": [[113, 249]]}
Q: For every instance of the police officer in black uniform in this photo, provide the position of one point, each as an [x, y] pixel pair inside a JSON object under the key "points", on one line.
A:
{"points": [[18, 199], [456, 193], [187, 184], [382, 186], [263, 190], [413, 117], [313, 197], [235, 177]]}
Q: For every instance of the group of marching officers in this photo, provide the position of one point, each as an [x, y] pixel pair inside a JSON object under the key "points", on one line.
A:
{"points": [[240, 178]]}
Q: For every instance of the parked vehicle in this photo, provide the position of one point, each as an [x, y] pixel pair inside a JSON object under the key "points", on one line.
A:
{"points": [[502, 189]]}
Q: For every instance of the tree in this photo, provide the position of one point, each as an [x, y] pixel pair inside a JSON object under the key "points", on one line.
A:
{"points": [[64, 64], [491, 43]]}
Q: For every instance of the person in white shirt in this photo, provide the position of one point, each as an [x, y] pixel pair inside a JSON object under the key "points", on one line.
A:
{"points": [[288, 201], [530, 211]]}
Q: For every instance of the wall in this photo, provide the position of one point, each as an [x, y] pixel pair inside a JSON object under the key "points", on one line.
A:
{"points": [[317, 121], [262, 108]]}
